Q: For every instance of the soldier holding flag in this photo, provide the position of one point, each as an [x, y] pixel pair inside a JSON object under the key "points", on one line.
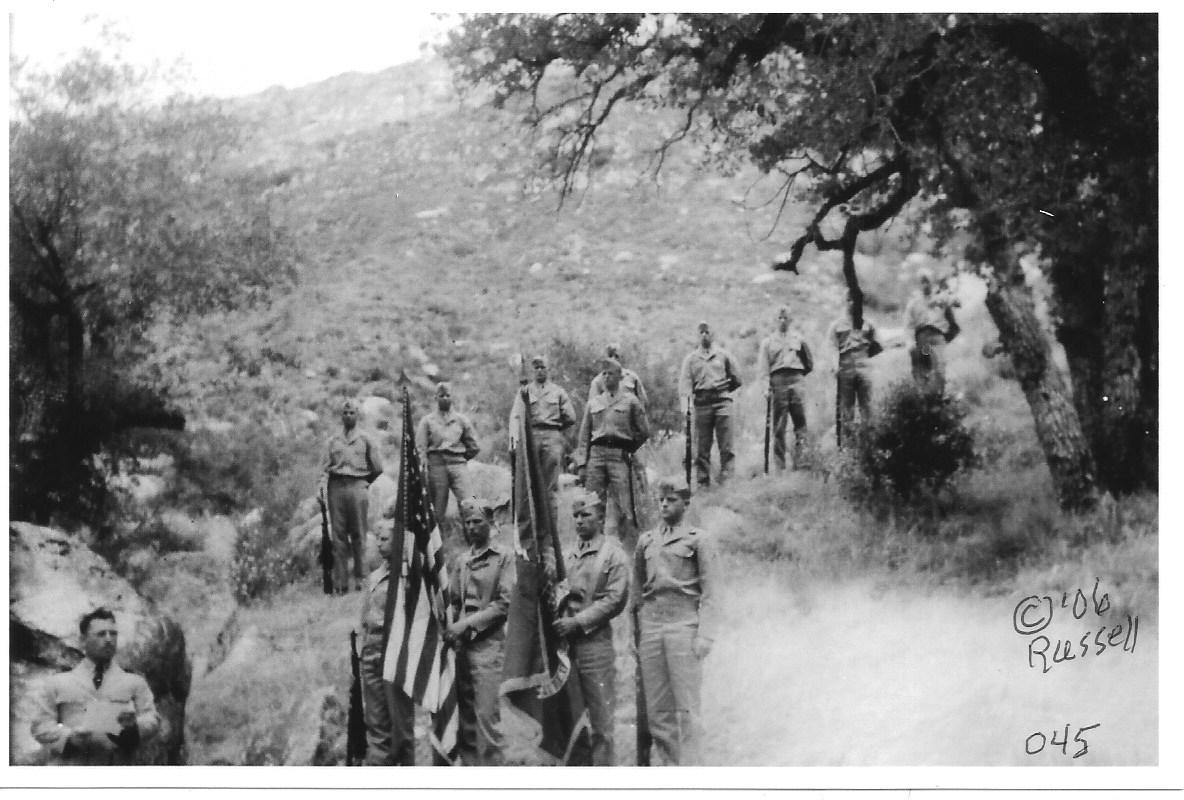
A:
{"points": [[415, 660], [388, 711], [480, 598], [598, 581]]}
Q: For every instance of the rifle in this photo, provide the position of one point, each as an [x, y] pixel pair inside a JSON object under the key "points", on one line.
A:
{"points": [[768, 424], [644, 739], [688, 456], [632, 499], [838, 412], [326, 556], [355, 737]]}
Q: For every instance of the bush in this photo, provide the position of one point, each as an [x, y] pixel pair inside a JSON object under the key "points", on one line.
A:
{"points": [[915, 445], [262, 563]]}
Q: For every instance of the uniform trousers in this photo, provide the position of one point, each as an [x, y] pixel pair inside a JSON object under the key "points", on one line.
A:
{"points": [[349, 503], [389, 713], [713, 419], [548, 449], [608, 474], [854, 386], [672, 676], [595, 661], [787, 404], [447, 472], [929, 360], [478, 678]]}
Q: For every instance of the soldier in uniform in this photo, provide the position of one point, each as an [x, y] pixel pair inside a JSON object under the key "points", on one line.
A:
{"points": [[854, 346], [784, 359], [930, 316], [707, 378], [95, 714], [480, 593], [551, 413], [630, 380], [388, 711], [598, 577], [448, 441], [674, 575], [351, 464], [614, 427]]}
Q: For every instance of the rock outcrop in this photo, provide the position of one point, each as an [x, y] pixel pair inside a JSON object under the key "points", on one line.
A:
{"points": [[54, 579]]}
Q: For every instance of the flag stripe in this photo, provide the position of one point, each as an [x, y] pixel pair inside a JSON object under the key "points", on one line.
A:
{"points": [[416, 659]]}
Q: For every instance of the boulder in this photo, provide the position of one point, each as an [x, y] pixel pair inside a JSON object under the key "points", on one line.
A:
{"points": [[54, 579], [377, 409]]}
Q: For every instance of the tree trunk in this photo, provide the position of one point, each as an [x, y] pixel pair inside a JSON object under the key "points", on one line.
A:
{"points": [[75, 355], [1058, 428], [1109, 330]]}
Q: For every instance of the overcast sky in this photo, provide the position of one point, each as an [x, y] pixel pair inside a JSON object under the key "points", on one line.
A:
{"points": [[232, 48]]}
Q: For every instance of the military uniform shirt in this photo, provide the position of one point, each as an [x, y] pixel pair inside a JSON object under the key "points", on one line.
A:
{"points": [[352, 456], [481, 587], [550, 407], [60, 702], [781, 351], [676, 563], [613, 419], [449, 434], [630, 382], [602, 593], [374, 603], [847, 339], [927, 312], [706, 371]]}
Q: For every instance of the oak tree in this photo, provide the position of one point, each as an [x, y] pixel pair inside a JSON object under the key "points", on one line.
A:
{"points": [[123, 208], [1005, 137]]}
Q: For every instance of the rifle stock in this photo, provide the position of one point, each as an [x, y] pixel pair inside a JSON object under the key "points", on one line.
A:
{"points": [[355, 746], [326, 555], [768, 424], [644, 739]]}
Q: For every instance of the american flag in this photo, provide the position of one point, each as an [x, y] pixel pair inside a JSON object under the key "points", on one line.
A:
{"points": [[415, 659]]}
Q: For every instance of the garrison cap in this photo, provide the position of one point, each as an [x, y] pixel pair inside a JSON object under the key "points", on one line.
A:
{"points": [[537, 360], [584, 498], [608, 363], [443, 387], [676, 484], [476, 507], [349, 404], [703, 326], [613, 350]]}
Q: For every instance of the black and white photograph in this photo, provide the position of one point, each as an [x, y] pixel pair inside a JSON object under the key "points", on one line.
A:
{"points": [[392, 386]]}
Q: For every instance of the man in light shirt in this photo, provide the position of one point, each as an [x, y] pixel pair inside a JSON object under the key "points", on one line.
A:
{"points": [[707, 379], [448, 442], [784, 360], [95, 714]]}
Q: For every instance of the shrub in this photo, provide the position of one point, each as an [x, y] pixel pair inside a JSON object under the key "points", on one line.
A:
{"points": [[915, 445], [262, 563]]}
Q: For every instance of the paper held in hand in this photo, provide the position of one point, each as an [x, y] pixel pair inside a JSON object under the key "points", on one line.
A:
{"points": [[102, 716]]}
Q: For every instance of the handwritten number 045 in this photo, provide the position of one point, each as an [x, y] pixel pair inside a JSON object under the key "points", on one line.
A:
{"points": [[1032, 748]]}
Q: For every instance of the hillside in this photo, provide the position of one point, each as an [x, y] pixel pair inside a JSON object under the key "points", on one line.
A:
{"points": [[433, 250]]}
